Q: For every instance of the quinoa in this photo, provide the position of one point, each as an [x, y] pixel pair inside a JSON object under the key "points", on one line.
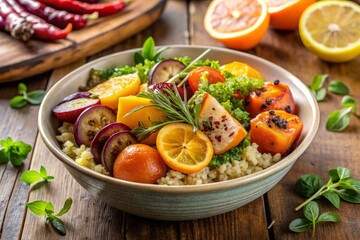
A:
{"points": [[251, 161]]}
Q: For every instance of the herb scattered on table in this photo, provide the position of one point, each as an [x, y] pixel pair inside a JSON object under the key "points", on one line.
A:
{"points": [[39, 178], [339, 186], [46, 209], [338, 120], [317, 88], [15, 152], [34, 97], [312, 217], [338, 87]]}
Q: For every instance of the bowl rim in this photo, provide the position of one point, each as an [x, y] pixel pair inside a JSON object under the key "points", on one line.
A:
{"points": [[215, 186]]}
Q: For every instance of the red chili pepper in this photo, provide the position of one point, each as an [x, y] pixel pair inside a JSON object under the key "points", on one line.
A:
{"points": [[56, 17], [104, 9], [18, 26], [42, 29]]}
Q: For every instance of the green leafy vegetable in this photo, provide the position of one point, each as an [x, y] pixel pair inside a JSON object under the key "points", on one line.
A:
{"points": [[42, 208], [32, 176], [15, 152], [339, 186], [311, 213], [316, 86], [338, 87], [34, 97]]}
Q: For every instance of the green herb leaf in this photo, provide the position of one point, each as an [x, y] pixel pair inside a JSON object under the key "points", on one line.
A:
{"points": [[30, 176], [320, 94], [338, 120], [333, 174], [349, 195], [148, 48], [66, 207], [4, 156], [318, 81], [22, 88], [328, 217], [338, 87], [354, 183], [58, 225], [18, 102], [307, 185], [138, 58], [343, 173], [311, 211], [333, 198], [299, 225], [35, 97], [37, 207], [43, 172], [49, 209], [348, 101]]}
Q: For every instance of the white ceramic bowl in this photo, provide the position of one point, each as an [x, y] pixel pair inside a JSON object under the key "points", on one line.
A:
{"points": [[179, 202]]}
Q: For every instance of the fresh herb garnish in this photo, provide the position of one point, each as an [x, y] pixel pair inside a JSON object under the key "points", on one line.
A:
{"points": [[317, 88], [148, 52], [15, 152], [311, 213], [34, 97], [338, 87], [42, 208], [170, 103], [339, 186], [338, 120], [33, 176]]}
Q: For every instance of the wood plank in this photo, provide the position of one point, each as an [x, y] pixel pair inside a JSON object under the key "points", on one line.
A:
{"points": [[22, 60], [20, 125]]}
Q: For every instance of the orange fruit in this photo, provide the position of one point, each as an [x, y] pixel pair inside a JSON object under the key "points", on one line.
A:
{"points": [[139, 163], [110, 90], [183, 149], [240, 69], [285, 14], [238, 24]]}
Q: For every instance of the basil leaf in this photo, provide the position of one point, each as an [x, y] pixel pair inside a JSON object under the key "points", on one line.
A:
{"points": [[18, 102], [66, 207], [333, 198], [30, 176], [148, 48], [37, 207], [338, 87], [354, 182], [349, 195], [16, 160], [58, 225], [318, 81], [348, 101], [311, 211], [333, 173], [299, 225], [307, 185], [343, 173], [43, 172], [22, 88], [320, 94], [4, 156], [338, 120], [328, 217], [49, 209], [22, 149], [35, 97]]}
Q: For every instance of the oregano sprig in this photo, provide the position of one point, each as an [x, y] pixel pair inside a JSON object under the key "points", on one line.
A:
{"points": [[339, 186], [34, 97], [312, 217], [37, 178], [46, 209]]}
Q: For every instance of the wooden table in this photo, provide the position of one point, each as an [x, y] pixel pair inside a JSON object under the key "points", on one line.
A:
{"points": [[89, 218]]}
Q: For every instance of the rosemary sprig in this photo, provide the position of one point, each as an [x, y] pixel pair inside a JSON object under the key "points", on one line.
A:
{"points": [[170, 103]]}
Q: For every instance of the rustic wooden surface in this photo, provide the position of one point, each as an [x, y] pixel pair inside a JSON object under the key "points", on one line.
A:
{"points": [[21, 60], [89, 218]]}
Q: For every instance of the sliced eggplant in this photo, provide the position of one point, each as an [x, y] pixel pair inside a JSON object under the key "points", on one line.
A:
{"points": [[69, 111], [77, 95], [90, 121], [165, 70], [100, 138], [113, 146]]}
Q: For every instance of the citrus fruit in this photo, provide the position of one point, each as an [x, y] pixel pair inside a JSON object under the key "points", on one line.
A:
{"points": [[139, 163], [182, 149], [285, 14], [110, 90], [240, 69], [238, 24], [330, 29]]}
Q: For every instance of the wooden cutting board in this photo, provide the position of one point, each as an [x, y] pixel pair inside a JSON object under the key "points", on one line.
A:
{"points": [[20, 60]]}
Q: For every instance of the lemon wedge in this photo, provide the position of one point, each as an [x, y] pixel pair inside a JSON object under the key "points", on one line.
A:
{"points": [[331, 29]]}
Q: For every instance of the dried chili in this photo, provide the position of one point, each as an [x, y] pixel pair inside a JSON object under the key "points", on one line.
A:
{"points": [[42, 29], [59, 18], [104, 9], [18, 26]]}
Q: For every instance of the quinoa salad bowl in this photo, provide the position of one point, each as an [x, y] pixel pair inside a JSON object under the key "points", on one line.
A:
{"points": [[177, 195]]}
